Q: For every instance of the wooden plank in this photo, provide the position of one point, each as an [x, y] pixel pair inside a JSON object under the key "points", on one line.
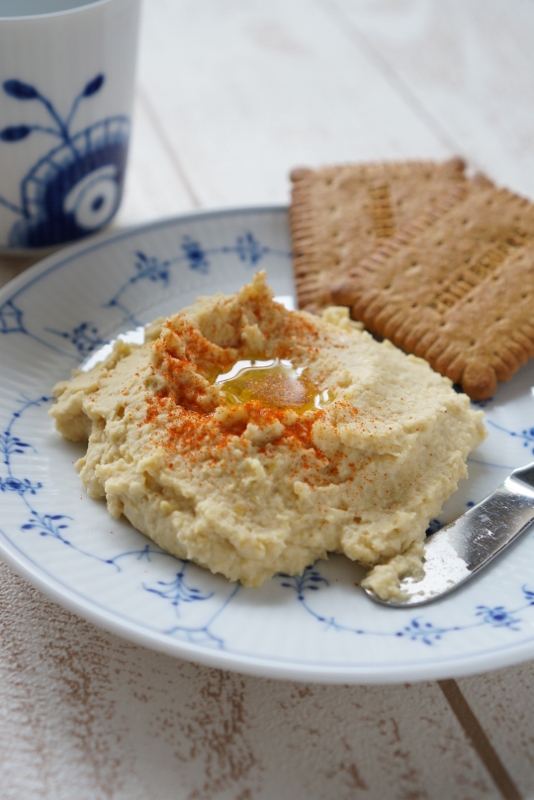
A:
{"points": [[466, 66], [246, 91], [154, 187], [12, 267], [477, 735], [503, 702], [85, 714]]}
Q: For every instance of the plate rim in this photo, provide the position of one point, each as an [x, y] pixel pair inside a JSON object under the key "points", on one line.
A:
{"points": [[454, 667], [91, 243], [289, 669]]}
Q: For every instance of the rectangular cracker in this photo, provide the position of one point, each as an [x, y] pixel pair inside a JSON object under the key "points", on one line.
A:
{"points": [[455, 286], [340, 214]]}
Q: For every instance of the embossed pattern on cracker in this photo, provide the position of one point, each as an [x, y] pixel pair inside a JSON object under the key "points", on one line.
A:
{"points": [[455, 287], [340, 214]]}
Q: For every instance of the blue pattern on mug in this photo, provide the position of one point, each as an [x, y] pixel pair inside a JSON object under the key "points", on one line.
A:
{"points": [[76, 187]]}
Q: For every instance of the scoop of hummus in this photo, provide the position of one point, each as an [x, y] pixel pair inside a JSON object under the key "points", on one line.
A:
{"points": [[254, 440]]}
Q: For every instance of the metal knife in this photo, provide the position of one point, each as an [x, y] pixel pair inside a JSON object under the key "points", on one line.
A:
{"points": [[461, 549]]}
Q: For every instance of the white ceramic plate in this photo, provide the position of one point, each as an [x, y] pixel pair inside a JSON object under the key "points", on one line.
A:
{"points": [[318, 627]]}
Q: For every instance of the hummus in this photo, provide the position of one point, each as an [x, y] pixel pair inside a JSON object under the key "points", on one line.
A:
{"points": [[254, 440]]}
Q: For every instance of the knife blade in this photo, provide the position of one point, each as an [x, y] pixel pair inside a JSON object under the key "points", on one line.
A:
{"points": [[459, 550]]}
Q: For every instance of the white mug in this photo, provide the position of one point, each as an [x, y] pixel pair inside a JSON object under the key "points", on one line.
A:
{"points": [[67, 70]]}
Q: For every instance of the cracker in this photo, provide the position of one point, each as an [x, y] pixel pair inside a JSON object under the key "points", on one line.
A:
{"points": [[341, 214], [455, 286]]}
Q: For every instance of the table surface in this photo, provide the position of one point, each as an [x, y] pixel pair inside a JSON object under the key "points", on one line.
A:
{"points": [[230, 96]]}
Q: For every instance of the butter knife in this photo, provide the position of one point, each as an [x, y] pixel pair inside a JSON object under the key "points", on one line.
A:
{"points": [[458, 551]]}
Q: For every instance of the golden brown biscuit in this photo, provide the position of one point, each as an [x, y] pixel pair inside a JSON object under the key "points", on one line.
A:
{"points": [[341, 214], [455, 286]]}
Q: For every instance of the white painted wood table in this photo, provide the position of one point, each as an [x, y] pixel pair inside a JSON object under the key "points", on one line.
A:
{"points": [[231, 95]]}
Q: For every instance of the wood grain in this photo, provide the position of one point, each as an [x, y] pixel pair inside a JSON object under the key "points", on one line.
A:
{"points": [[480, 741], [86, 715], [467, 68], [246, 91], [154, 186], [503, 702]]}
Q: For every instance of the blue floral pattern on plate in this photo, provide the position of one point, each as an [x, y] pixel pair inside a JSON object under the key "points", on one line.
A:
{"points": [[303, 626], [86, 337], [178, 591]]}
